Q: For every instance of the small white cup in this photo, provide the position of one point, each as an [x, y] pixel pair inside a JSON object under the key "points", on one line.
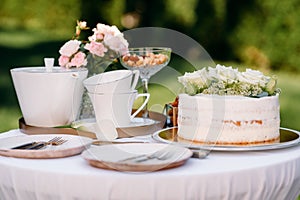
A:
{"points": [[112, 81], [117, 107]]}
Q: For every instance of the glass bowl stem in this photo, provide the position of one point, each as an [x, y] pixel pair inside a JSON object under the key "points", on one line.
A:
{"points": [[145, 90]]}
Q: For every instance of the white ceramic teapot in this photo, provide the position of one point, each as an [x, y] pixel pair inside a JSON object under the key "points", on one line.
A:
{"points": [[49, 98]]}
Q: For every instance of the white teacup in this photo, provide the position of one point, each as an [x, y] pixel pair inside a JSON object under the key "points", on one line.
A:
{"points": [[117, 107], [112, 81], [49, 99]]}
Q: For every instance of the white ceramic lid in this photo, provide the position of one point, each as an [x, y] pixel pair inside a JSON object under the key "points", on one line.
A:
{"points": [[44, 70]]}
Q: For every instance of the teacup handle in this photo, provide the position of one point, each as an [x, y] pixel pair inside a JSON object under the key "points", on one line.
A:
{"points": [[147, 95], [136, 75]]}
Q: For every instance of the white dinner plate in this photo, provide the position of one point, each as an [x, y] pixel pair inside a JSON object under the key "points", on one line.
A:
{"points": [[288, 138], [114, 156], [74, 145]]}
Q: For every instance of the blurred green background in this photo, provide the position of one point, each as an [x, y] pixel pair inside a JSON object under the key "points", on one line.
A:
{"points": [[263, 35]]}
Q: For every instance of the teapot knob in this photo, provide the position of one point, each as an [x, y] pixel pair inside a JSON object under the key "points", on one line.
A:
{"points": [[49, 63]]}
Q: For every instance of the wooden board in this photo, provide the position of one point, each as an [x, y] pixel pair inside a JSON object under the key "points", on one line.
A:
{"points": [[122, 132]]}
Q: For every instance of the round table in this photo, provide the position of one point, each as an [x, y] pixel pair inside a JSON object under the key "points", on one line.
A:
{"points": [[273, 174]]}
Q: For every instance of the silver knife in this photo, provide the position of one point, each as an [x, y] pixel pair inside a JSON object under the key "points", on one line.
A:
{"points": [[24, 146], [37, 146]]}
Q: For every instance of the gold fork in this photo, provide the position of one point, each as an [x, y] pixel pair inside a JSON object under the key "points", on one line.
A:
{"points": [[54, 141]]}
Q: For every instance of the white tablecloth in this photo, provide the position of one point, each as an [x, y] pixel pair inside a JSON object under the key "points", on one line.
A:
{"points": [[273, 174]]}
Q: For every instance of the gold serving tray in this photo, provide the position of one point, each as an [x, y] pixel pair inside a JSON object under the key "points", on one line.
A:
{"points": [[288, 138], [122, 132]]}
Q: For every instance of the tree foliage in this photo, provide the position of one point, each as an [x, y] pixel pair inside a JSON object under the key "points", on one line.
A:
{"points": [[263, 34]]}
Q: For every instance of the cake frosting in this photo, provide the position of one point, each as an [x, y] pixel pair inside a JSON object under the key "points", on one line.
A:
{"points": [[228, 119], [224, 106]]}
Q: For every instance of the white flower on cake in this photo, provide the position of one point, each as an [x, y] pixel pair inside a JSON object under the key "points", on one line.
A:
{"points": [[225, 74], [253, 77], [223, 80]]}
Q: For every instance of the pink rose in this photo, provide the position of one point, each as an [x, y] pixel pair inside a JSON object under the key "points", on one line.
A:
{"points": [[116, 43], [78, 60], [70, 48], [99, 36], [96, 48], [102, 30], [63, 60]]}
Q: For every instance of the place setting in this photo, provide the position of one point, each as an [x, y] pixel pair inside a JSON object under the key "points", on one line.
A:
{"points": [[137, 157], [43, 146]]}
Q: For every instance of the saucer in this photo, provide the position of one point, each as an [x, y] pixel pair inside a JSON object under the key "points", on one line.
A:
{"points": [[138, 127], [139, 121], [136, 122]]}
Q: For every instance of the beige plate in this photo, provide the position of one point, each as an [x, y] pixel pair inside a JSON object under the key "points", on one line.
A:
{"points": [[288, 138], [139, 127], [111, 156], [75, 145], [122, 132]]}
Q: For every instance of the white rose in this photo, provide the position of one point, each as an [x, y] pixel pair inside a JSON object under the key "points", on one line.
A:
{"points": [[116, 43], [203, 73], [197, 78], [226, 74], [212, 73], [202, 78], [69, 48], [253, 77]]}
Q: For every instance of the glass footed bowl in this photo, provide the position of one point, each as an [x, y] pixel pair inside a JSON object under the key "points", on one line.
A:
{"points": [[148, 60]]}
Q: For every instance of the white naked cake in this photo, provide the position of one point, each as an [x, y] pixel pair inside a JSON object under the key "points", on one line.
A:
{"points": [[225, 106]]}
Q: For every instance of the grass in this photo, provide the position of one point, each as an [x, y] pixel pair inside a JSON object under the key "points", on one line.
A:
{"points": [[289, 100]]}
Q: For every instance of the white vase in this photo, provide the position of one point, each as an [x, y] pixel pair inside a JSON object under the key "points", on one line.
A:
{"points": [[49, 99]]}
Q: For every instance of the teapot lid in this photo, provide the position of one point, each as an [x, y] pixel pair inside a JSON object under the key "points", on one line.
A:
{"points": [[45, 70]]}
